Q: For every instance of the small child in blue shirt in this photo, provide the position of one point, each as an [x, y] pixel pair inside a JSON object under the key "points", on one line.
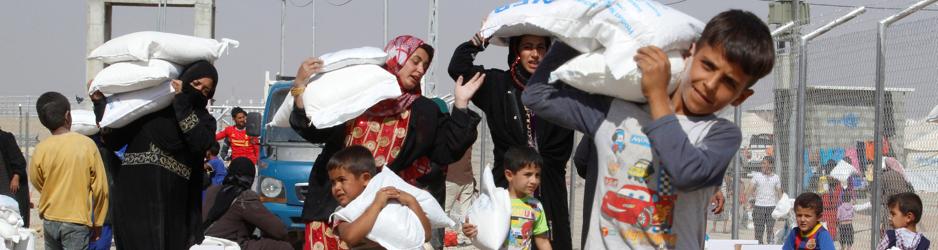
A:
{"points": [[217, 165], [809, 234]]}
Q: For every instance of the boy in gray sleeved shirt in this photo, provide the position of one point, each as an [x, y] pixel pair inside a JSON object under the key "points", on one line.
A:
{"points": [[660, 163]]}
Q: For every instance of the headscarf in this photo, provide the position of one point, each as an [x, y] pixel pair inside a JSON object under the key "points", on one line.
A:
{"points": [[194, 72], [894, 165], [399, 51], [518, 74], [239, 179]]}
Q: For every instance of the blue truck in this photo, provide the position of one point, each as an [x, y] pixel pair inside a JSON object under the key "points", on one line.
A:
{"points": [[284, 164]]}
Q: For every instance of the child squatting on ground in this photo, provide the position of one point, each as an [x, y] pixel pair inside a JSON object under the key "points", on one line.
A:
{"points": [[809, 234], [905, 211], [528, 220], [350, 170]]}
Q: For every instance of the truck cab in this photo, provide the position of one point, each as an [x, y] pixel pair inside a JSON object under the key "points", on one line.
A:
{"points": [[285, 162]]}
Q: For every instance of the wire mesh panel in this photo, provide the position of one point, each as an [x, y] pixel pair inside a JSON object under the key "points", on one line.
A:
{"points": [[911, 53]]}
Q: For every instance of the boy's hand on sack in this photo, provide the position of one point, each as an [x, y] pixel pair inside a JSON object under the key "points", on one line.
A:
{"points": [[477, 39], [385, 194], [656, 71], [309, 67], [465, 91], [406, 199], [469, 229]]}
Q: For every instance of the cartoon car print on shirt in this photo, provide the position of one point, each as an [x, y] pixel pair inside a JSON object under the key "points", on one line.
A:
{"points": [[639, 170], [638, 206]]}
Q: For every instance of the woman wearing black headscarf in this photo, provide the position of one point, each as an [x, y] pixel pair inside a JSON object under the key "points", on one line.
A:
{"points": [[233, 211], [513, 125], [157, 192]]}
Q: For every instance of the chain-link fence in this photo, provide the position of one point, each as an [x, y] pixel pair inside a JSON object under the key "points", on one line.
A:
{"points": [[839, 128]]}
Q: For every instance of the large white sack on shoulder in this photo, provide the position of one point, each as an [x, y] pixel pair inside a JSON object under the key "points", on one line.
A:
{"points": [[124, 108], [490, 213], [589, 72], [397, 226], [842, 171], [335, 97], [349, 57], [282, 117], [129, 76], [83, 122], [540, 18], [144, 45], [625, 27]]}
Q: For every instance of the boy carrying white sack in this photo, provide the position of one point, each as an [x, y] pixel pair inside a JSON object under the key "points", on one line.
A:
{"points": [[661, 162]]}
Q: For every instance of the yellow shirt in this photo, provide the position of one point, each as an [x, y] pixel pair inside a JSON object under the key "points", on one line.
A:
{"points": [[68, 172]]}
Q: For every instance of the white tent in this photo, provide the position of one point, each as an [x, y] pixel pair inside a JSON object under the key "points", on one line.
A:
{"points": [[921, 155]]}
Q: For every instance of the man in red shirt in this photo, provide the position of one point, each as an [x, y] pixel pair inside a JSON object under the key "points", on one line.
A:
{"points": [[240, 143]]}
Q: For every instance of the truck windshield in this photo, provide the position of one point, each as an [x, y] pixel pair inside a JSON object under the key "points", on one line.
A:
{"points": [[278, 134]]}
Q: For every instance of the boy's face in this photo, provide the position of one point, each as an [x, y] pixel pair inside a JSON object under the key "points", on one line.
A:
{"points": [[712, 82], [346, 186], [525, 180], [898, 219], [806, 217]]}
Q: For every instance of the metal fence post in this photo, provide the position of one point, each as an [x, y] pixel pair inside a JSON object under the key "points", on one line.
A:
{"points": [[802, 87], [880, 100], [737, 117]]}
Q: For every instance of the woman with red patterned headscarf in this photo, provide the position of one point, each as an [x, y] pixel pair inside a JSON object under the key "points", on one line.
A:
{"points": [[405, 134]]}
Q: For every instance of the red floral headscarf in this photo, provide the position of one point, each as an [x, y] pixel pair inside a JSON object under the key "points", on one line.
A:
{"points": [[399, 51]]}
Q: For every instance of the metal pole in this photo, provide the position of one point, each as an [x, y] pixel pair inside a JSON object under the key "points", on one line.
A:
{"points": [[802, 87], [283, 14], [386, 38], [429, 84], [314, 27], [880, 100], [783, 28], [737, 117], [28, 138]]}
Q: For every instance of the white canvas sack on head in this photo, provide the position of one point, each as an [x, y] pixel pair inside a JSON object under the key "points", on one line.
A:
{"points": [[335, 97], [83, 122], [588, 72], [348, 57], [144, 45], [490, 213], [620, 27], [129, 76], [397, 226], [124, 108]]}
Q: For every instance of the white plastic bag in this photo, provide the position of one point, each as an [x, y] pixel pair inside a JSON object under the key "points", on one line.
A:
{"points": [[215, 243], [124, 108], [490, 213], [588, 72], [144, 45], [783, 207], [335, 97], [129, 76], [842, 172], [621, 27], [83, 122], [397, 226]]}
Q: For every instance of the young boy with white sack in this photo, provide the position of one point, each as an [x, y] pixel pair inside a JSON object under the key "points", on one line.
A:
{"points": [[528, 226], [350, 171], [661, 161]]}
